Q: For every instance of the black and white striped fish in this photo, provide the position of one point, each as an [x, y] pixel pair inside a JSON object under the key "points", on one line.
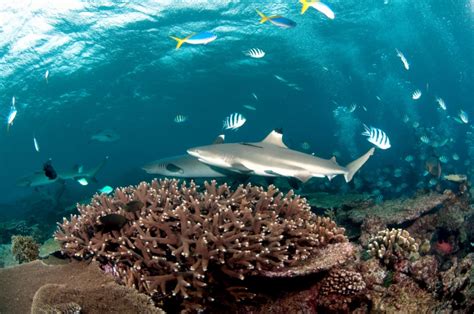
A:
{"points": [[377, 137], [234, 121], [180, 118]]}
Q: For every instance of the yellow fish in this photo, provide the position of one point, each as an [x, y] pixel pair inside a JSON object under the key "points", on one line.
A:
{"points": [[455, 177]]}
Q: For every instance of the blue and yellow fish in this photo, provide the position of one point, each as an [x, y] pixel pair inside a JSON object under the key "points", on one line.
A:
{"points": [[277, 20], [195, 39]]}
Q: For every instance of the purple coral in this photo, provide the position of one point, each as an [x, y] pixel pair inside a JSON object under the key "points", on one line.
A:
{"points": [[181, 241]]}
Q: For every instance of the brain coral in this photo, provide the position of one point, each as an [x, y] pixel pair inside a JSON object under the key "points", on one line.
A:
{"points": [[171, 239]]}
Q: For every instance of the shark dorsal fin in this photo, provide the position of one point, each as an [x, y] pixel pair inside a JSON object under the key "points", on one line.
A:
{"points": [[275, 138], [219, 140], [333, 159]]}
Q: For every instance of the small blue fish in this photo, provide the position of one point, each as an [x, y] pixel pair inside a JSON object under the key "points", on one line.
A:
{"points": [[443, 159], [11, 116], [377, 137], [82, 181], [180, 118], [463, 116], [277, 20], [106, 189], [195, 39], [35, 143]]}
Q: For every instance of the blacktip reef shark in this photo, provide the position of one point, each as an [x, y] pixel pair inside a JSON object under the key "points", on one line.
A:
{"points": [[271, 157], [185, 166], [77, 174]]}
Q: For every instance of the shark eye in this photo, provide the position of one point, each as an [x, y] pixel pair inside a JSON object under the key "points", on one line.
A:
{"points": [[173, 168]]}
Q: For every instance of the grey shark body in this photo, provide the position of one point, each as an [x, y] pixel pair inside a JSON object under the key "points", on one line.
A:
{"points": [[183, 166], [186, 166], [39, 178], [271, 157]]}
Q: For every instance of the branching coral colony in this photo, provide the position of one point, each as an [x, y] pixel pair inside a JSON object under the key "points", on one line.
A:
{"points": [[170, 239]]}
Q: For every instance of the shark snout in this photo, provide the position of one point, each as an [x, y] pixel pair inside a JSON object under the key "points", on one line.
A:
{"points": [[194, 152]]}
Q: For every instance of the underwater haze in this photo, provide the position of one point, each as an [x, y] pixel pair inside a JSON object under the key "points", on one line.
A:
{"points": [[77, 69]]}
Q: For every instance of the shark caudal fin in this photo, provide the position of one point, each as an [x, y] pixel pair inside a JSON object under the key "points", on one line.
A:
{"points": [[354, 166], [180, 41], [305, 4], [264, 18], [99, 167]]}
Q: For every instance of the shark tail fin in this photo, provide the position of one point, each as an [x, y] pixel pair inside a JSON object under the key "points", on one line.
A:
{"points": [[263, 16], [354, 166], [180, 41], [99, 167], [305, 6]]}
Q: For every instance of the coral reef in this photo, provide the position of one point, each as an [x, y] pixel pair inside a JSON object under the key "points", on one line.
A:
{"points": [[456, 279], [330, 200], [339, 289], [18, 227], [324, 259], [61, 298], [48, 247], [24, 249], [6, 256], [38, 288], [398, 211], [392, 245], [167, 239]]}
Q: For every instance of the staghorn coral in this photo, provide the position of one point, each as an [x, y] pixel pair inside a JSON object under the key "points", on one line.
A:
{"points": [[339, 289], [392, 245], [24, 248], [183, 242]]}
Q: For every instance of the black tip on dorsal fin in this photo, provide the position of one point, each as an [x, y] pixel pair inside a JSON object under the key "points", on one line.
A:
{"points": [[279, 130]]}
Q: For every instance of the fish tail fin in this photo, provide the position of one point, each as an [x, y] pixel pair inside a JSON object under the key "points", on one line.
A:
{"points": [[99, 167], [354, 166], [305, 6], [366, 130], [179, 40], [264, 18]]}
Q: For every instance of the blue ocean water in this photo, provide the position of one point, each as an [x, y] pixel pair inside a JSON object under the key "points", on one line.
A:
{"points": [[113, 66]]}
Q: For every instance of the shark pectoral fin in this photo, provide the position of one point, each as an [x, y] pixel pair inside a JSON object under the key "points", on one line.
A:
{"points": [[240, 168], [303, 176], [330, 176], [354, 166]]}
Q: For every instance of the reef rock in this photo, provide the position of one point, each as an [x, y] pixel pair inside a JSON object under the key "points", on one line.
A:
{"points": [[396, 212], [331, 200]]}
